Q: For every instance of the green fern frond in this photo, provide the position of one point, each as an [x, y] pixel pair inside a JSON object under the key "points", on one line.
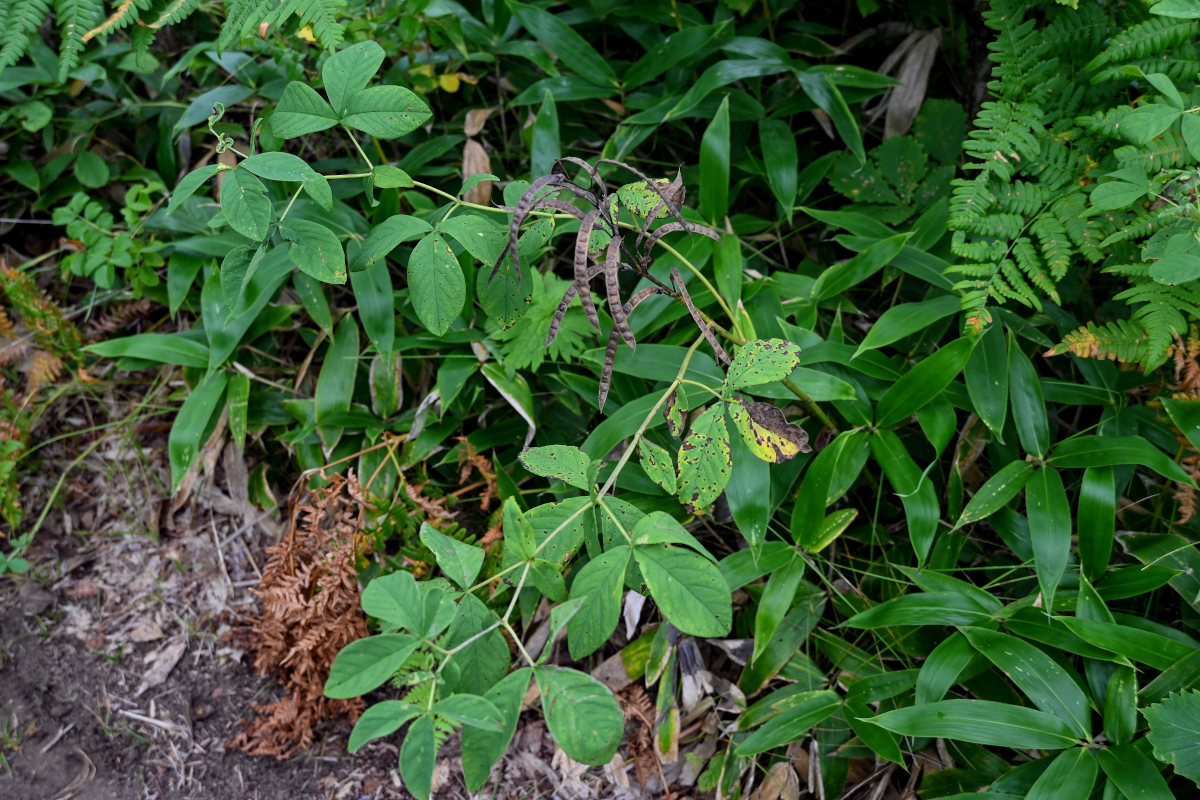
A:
{"points": [[20, 19], [1146, 39], [174, 12], [75, 19], [1022, 197], [1121, 340], [243, 17], [125, 14]]}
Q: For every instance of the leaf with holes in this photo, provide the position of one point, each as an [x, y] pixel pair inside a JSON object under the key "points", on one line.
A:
{"points": [[762, 361]]}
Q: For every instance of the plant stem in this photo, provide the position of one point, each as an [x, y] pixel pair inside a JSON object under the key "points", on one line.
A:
{"points": [[358, 147], [295, 194]]}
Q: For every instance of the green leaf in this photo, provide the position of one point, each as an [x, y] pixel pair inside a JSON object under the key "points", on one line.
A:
{"points": [[941, 668], [190, 183], [395, 599], [841, 277], [981, 722], [301, 111], [436, 284], [246, 205], [828, 477], [280, 167], [921, 509], [581, 713], [388, 177], [1114, 195], [164, 348], [1112, 451], [1180, 9], [384, 238], [544, 146], [705, 461], [1097, 520], [1049, 528], [728, 264], [599, 583], [335, 385], [749, 505], [380, 720], [384, 380], [659, 527], [237, 402], [365, 664], [560, 462], [348, 71], [1134, 644], [482, 657], [986, 376], [570, 48], [1175, 732], [907, 319], [459, 560], [762, 361], [780, 161], [315, 250], [775, 602], [924, 608], [418, 757], [480, 748], [1028, 407], [688, 588], [804, 711], [1037, 675], [657, 464], [1121, 706], [193, 424], [386, 112], [376, 304], [479, 236], [922, 383], [714, 166], [822, 91], [1135, 775], [1071, 774], [472, 710], [996, 493], [1144, 123]]}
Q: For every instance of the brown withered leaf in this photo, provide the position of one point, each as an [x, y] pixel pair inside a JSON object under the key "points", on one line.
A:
{"points": [[476, 118], [476, 161], [767, 432]]}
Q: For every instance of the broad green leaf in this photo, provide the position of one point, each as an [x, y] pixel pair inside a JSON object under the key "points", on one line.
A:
{"points": [[280, 167], [996, 493], [567, 45], [1134, 774], [376, 304], [750, 506], [301, 111], [560, 462], [785, 646], [981, 722], [822, 91], [828, 477], [1111, 451], [599, 584], [164, 348], [704, 459], [688, 588], [762, 361], [986, 376], [482, 657], [387, 112], [1037, 675], [1144, 123], [1071, 774], [780, 161], [922, 383], [659, 527], [804, 711], [246, 205], [1180, 9], [1134, 644], [379, 720], [1113, 195], [547, 578], [365, 664], [481, 749], [1121, 706], [418, 757], [436, 284], [1028, 407], [841, 277], [479, 236], [193, 424], [775, 602], [680, 47], [385, 237], [544, 145], [190, 183], [714, 166], [1175, 268], [917, 495], [1175, 732], [395, 599], [581, 713], [728, 265], [924, 608], [384, 379], [1097, 520], [388, 177], [907, 319], [335, 385], [1049, 528], [459, 560], [472, 710], [312, 296], [657, 464], [350, 70], [315, 250], [941, 669]]}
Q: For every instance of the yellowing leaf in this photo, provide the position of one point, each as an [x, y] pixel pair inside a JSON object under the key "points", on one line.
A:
{"points": [[449, 82], [766, 432], [306, 33]]}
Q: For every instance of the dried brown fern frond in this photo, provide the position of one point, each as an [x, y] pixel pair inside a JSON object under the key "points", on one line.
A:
{"points": [[118, 318], [310, 595], [601, 248]]}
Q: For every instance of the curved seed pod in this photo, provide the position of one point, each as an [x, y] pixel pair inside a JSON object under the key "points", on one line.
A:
{"points": [[520, 212], [612, 286], [672, 227], [610, 352], [581, 266], [565, 303], [599, 190], [691, 307]]}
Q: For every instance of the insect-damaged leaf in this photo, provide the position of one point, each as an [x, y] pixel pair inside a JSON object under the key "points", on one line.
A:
{"points": [[766, 432], [673, 414], [705, 461], [762, 361], [657, 463], [568, 464]]}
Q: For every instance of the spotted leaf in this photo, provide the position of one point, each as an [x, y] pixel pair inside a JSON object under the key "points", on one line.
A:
{"points": [[766, 432], [705, 461]]}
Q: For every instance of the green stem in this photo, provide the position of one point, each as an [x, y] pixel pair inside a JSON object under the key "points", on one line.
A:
{"points": [[295, 194], [358, 147]]}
